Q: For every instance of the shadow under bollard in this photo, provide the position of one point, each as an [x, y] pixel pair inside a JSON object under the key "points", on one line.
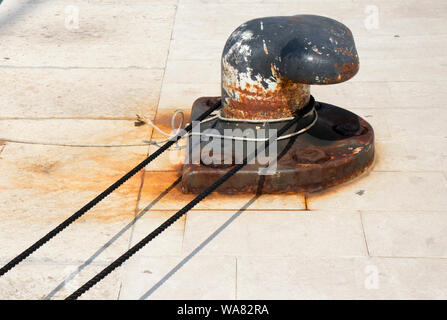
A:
{"points": [[61, 285], [185, 260]]}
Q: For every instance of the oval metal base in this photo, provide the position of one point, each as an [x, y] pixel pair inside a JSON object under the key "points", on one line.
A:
{"points": [[338, 148]]}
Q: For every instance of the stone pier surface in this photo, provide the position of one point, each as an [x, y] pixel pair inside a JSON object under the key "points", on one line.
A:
{"points": [[75, 77]]}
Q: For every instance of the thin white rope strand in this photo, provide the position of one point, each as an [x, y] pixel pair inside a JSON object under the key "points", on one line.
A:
{"points": [[287, 136], [176, 130]]}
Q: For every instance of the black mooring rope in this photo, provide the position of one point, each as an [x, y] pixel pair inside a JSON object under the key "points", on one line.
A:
{"points": [[104, 194], [115, 264]]}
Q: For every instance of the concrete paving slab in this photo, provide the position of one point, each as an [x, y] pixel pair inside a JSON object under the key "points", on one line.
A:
{"points": [[415, 154], [182, 95], [169, 243], [383, 94], [79, 93], [85, 34], [379, 69], [406, 233], [84, 242], [179, 278], [76, 132], [412, 123], [340, 278], [386, 191], [41, 183], [270, 233], [196, 49], [36, 280], [187, 80]]}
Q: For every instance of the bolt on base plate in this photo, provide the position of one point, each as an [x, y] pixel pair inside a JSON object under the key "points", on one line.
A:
{"points": [[336, 149]]}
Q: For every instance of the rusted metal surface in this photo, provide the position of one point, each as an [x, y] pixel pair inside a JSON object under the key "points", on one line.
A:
{"points": [[338, 148], [269, 63], [255, 102]]}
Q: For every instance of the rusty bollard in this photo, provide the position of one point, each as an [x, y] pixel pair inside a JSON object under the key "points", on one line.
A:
{"points": [[268, 66]]}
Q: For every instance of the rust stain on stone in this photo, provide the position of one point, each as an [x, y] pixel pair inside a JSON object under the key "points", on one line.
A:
{"points": [[332, 191], [74, 177], [157, 182], [41, 168]]}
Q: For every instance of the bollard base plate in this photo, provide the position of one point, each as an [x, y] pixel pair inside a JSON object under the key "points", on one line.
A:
{"points": [[338, 148]]}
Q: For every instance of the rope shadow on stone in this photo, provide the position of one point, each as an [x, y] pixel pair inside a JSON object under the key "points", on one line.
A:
{"points": [[78, 270], [185, 260]]}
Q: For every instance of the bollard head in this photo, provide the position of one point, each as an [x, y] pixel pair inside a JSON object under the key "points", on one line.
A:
{"points": [[269, 63]]}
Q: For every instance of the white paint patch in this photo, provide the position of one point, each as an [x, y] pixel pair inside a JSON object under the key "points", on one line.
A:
{"points": [[245, 51], [262, 25], [239, 49], [247, 35], [240, 35], [265, 47], [232, 78], [244, 80]]}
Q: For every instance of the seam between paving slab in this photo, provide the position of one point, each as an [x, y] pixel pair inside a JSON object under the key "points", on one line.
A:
{"points": [[364, 234], [80, 68], [235, 279], [150, 139], [104, 263], [99, 118], [56, 144], [158, 102]]}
